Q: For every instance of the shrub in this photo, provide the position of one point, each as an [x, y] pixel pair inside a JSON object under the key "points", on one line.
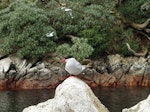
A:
{"points": [[128, 37], [85, 15], [97, 39], [23, 30], [80, 49], [133, 10], [117, 39]]}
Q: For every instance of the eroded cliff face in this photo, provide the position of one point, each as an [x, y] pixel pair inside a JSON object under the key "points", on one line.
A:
{"points": [[113, 70]]}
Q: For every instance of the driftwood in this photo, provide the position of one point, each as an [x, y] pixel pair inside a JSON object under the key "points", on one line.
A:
{"points": [[135, 53]]}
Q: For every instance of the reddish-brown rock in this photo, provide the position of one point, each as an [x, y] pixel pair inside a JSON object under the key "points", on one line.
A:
{"points": [[92, 80], [105, 80], [3, 84], [131, 80], [146, 81]]}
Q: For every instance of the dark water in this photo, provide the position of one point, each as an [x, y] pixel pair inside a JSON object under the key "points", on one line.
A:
{"points": [[115, 99]]}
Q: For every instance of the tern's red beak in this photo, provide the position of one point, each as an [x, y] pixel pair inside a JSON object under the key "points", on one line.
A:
{"points": [[62, 60]]}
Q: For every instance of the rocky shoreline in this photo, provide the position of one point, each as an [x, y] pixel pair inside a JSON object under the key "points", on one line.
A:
{"points": [[112, 70]]}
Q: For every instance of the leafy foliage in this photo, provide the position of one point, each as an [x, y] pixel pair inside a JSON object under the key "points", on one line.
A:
{"points": [[25, 23], [23, 30], [129, 38], [87, 19], [118, 38], [83, 15], [80, 49], [97, 39], [134, 12], [132, 9]]}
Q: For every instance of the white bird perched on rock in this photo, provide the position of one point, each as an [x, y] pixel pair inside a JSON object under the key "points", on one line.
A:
{"points": [[51, 34], [72, 66]]}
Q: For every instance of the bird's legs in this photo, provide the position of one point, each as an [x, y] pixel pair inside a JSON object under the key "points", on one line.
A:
{"points": [[70, 75]]}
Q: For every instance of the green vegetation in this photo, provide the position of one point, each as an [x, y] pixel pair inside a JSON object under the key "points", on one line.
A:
{"points": [[135, 10], [97, 39], [23, 30], [135, 14], [83, 28], [80, 49]]}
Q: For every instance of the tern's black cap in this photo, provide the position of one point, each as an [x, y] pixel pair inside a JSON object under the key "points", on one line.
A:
{"points": [[70, 56]]}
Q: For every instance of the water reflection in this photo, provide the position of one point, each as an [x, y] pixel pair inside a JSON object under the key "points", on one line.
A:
{"points": [[115, 99], [16, 101]]}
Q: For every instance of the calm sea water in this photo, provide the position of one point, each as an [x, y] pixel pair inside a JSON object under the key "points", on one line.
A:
{"points": [[115, 99]]}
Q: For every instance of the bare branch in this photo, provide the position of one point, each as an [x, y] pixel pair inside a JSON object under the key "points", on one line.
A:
{"points": [[141, 26], [136, 54], [70, 36], [147, 30]]}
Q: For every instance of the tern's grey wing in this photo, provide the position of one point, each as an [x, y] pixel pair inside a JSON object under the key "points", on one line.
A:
{"points": [[79, 66], [73, 66]]}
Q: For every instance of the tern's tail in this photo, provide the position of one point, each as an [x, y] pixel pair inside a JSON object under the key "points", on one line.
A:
{"points": [[85, 66]]}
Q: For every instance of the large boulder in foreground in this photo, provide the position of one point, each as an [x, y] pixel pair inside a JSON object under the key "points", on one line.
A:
{"points": [[143, 106], [73, 95]]}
